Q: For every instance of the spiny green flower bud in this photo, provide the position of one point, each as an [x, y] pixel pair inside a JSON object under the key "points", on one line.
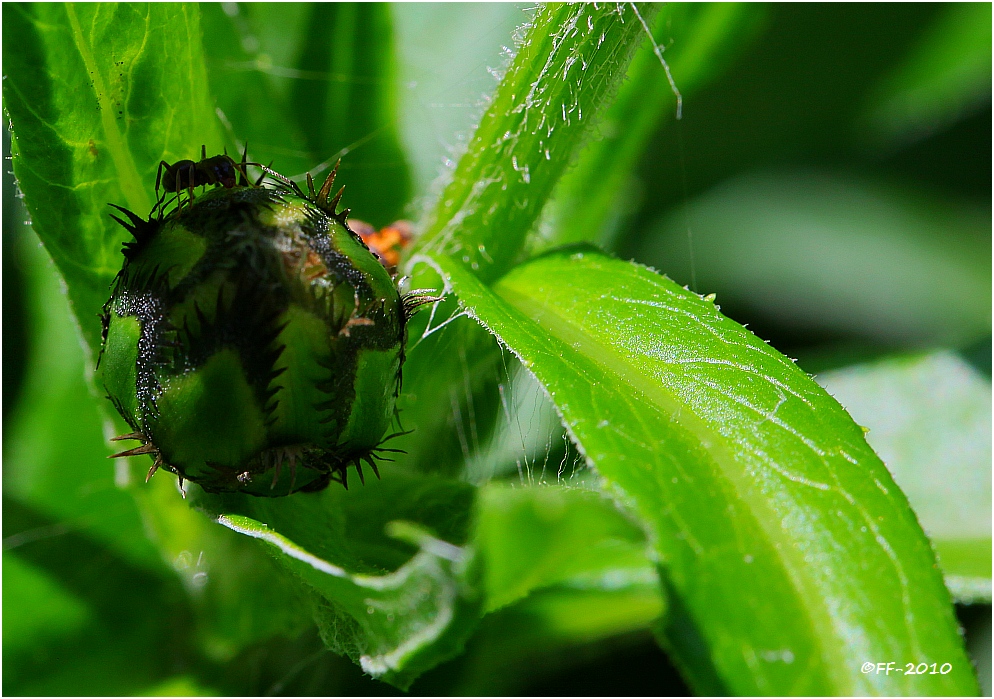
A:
{"points": [[253, 343]]}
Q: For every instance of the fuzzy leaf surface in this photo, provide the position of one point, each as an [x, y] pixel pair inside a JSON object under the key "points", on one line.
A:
{"points": [[790, 553], [570, 63]]}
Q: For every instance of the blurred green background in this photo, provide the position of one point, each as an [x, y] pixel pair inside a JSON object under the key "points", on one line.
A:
{"points": [[830, 182]]}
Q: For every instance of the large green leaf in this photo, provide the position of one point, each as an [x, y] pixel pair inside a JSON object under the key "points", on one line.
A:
{"points": [[929, 419], [792, 556], [97, 95]]}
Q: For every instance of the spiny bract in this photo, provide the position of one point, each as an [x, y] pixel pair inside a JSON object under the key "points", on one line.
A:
{"points": [[253, 343]]}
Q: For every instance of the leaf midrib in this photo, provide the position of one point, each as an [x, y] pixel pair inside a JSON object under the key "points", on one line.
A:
{"points": [[128, 178]]}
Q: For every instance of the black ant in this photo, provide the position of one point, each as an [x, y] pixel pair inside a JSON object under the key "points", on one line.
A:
{"points": [[216, 170]]}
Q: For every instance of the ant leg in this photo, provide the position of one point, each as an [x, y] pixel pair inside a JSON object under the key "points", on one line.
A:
{"points": [[158, 181], [179, 193], [203, 152], [242, 172], [158, 176]]}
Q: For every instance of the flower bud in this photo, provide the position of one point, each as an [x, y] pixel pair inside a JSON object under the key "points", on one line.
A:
{"points": [[253, 343]]}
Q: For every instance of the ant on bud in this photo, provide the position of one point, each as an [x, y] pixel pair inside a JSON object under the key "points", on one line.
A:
{"points": [[188, 174]]}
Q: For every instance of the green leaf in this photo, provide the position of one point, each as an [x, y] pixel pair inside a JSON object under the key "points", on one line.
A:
{"points": [[343, 100], [945, 77], [791, 555], [929, 419], [571, 61], [38, 608], [55, 454], [531, 538], [837, 254], [397, 589], [97, 95], [321, 88]]}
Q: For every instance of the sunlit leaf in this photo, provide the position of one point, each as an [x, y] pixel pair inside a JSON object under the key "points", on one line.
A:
{"points": [[791, 554], [97, 95]]}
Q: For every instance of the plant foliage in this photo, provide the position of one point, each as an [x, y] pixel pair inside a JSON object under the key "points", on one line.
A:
{"points": [[707, 490]]}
